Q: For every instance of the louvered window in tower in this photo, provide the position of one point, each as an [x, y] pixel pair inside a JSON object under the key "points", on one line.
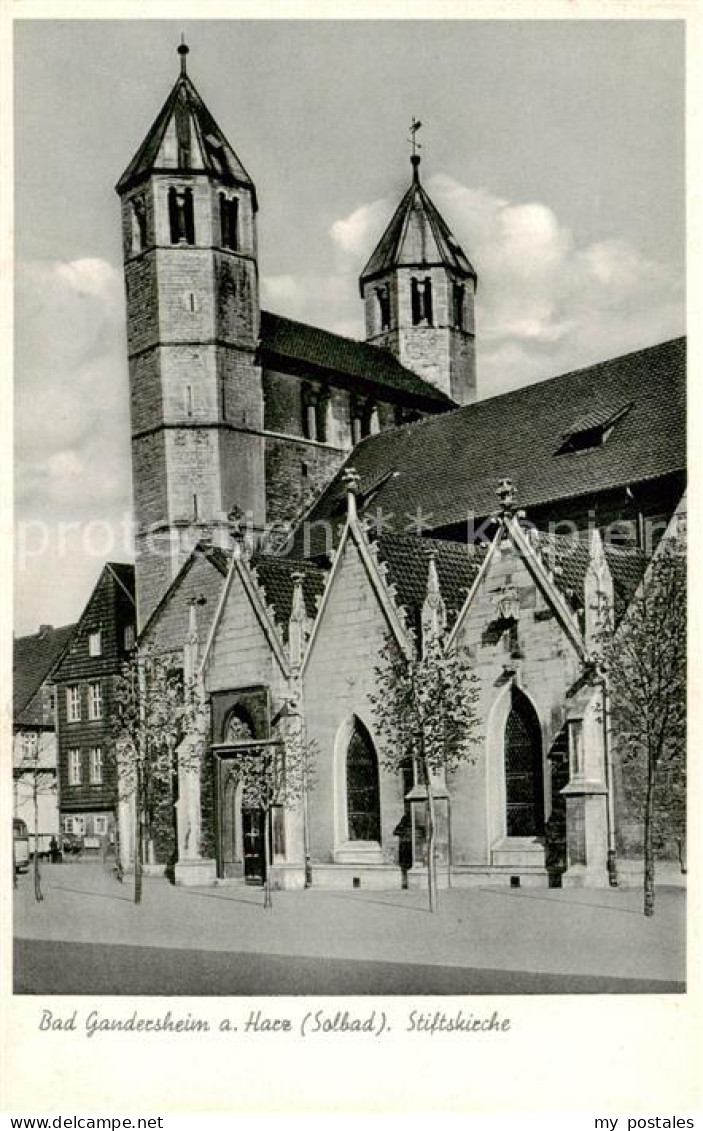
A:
{"points": [[363, 800]]}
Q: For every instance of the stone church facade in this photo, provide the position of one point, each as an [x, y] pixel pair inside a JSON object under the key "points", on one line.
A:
{"points": [[302, 499]]}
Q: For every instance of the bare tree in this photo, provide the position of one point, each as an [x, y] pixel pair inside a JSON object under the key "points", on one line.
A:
{"points": [[425, 710], [42, 783], [159, 724], [644, 664]]}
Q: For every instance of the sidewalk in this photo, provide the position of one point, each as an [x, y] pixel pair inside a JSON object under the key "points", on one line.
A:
{"points": [[587, 932]]}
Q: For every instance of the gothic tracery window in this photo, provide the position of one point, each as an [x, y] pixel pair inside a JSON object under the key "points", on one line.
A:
{"points": [[363, 798]]}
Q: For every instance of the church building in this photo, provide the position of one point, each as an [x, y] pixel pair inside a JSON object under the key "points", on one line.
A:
{"points": [[303, 499]]}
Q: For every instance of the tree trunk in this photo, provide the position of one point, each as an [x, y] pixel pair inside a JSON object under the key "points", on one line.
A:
{"points": [[648, 846], [38, 894], [431, 844], [681, 849], [138, 841], [268, 901]]}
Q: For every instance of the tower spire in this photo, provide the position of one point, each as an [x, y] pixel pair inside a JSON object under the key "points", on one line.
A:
{"points": [[183, 50]]}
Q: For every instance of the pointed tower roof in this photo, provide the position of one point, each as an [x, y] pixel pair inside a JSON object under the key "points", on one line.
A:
{"points": [[185, 138], [417, 236]]}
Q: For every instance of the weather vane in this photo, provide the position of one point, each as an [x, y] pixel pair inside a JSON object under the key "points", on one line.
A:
{"points": [[415, 126]]}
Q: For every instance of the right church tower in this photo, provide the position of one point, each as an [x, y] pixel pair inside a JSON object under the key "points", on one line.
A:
{"points": [[418, 289]]}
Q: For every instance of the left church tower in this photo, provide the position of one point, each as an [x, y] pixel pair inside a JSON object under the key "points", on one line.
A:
{"points": [[191, 276]]}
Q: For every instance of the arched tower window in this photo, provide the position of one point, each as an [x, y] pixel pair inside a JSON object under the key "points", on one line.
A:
{"points": [[229, 218], [180, 215], [524, 780], [421, 301], [458, 292], [138, 224], [363, 796], [383, 295]]}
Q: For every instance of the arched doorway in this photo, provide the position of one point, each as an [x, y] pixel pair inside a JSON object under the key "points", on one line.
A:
{"points": [[524, 778], [242, 826], [363, 795]]}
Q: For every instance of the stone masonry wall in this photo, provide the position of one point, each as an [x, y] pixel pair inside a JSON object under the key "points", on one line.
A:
{"points": [[337, 682]]}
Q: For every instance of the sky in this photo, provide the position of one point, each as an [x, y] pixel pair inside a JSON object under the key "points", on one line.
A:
{"points": [[554, 149]]}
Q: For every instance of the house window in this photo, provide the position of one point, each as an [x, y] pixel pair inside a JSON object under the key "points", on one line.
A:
{"points": [[95, 644], [180, 215], [73, 704], [229, 217], [128, 637], [74, 767], [458, 291], [363, 797], [95, 701], [100, 826], [421, 301], [96, 766]]}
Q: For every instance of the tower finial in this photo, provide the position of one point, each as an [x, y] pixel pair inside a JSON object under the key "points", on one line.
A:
{"points": [[183, 50], [415, 158]]}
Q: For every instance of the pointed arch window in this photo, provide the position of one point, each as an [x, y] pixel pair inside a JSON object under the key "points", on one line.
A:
{"points": [[181, 216], [363, 795], [524, 779]]}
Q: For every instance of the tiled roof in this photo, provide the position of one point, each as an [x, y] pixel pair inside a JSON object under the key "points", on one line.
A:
{"points": [[417, 236], [274, 575], [406, 557], [449, 466], [567, 557], [33, 658], [184, 116], [370, 365]]}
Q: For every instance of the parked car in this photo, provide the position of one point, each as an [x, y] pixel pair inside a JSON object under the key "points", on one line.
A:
{"points": [[71, 843], [20, 837]]}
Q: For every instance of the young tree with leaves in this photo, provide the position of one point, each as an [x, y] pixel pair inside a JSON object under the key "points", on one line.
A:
{"points": [[275, 775], [425, 709], [159, 724], [644, 667]]}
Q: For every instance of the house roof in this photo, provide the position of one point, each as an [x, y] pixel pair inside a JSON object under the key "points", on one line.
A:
{"points": [[445, 468], [33, 658], [297, 342], [406, 558], [417, 236], [186, 138], [112, 594], [274, 576]]}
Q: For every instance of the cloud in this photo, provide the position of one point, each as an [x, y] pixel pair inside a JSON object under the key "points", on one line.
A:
{"points": [[544, 304], [72, 455]]}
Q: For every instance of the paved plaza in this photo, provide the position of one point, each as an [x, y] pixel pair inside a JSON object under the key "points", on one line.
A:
{"points": [[87, 936]]}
